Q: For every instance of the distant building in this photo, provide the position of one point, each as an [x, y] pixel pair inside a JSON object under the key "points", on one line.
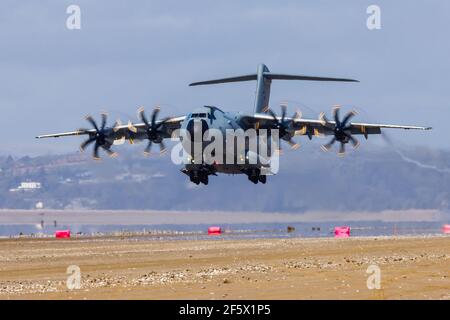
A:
{"points": [[27, 186]]}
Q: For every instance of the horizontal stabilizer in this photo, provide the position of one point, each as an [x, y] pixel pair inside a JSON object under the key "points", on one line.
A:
{"points": [[280, 76], [271, 76], [225, 80]]}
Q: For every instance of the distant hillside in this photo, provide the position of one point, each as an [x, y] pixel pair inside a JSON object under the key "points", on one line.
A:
{"points": [[371, 179]]}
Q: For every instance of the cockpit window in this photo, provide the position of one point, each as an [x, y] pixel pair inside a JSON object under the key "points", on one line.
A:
{"points": [[198, 115]]}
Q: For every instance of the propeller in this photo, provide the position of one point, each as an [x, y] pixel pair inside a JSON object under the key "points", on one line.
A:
{"points": [[341, 130], [285, 127], [99, 137], [153, 129]]}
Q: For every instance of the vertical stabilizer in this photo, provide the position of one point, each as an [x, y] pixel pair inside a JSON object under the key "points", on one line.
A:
{"points": [[262, 88]]}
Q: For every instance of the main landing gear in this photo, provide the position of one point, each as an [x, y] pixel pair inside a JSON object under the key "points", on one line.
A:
{"points": [[255, 176], [198, 177]]}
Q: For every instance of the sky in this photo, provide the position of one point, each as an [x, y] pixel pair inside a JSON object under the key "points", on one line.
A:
{"points": [[145, 53]]}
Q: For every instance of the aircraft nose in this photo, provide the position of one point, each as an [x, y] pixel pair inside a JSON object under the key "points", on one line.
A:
{"points": [[197, 128]]}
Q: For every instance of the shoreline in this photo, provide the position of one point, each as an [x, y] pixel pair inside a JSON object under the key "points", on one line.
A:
{"points": [[124, 217]]}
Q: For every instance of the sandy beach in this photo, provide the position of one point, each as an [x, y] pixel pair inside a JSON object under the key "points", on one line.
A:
{"points": [[220, 268]]}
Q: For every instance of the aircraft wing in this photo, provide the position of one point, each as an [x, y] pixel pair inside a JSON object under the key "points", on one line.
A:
{"points": [[313, 127], [318, 127], [119, 131]]}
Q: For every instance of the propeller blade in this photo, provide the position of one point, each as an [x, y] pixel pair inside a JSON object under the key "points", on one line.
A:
{"points": [[148, 147], [162, 122], [293, 144], [162, 148], [326, 147], [283, 112], [274, 116], [341, 149], [92, 122], [104, 117], [336, 115], [354, 141], [323, 118], [349, 115], [154, 115], [117, 124], [95, 154], [141, 112], [111, 153], [86, 143], [297, 115]]}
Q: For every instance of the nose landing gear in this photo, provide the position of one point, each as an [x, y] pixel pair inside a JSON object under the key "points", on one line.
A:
{"points": [[199, 177], [199, 174]]}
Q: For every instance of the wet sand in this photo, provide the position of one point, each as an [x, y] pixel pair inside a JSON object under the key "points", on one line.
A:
{"points": [[220, 268]]}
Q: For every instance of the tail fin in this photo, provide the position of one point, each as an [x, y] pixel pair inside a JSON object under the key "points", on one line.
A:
{"points": [[264, 79]]}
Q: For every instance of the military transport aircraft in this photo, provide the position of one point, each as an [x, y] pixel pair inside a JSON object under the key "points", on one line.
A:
{"points": [[341, 130]]}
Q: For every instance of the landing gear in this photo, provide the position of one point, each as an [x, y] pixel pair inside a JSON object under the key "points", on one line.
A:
{"points": [[204, 178], [199, 174], [253, 179], [255, 176], [194, 179], [262, 179], [199, 177]]}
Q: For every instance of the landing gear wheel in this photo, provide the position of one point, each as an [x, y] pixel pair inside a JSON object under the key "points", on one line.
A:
{"points": [[194, 179], [204, 179], [254, 175], [263, 179], [253, 179]]}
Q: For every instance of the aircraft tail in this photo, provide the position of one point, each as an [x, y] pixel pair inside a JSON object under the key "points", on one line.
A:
{"points": [[264, 79]]}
